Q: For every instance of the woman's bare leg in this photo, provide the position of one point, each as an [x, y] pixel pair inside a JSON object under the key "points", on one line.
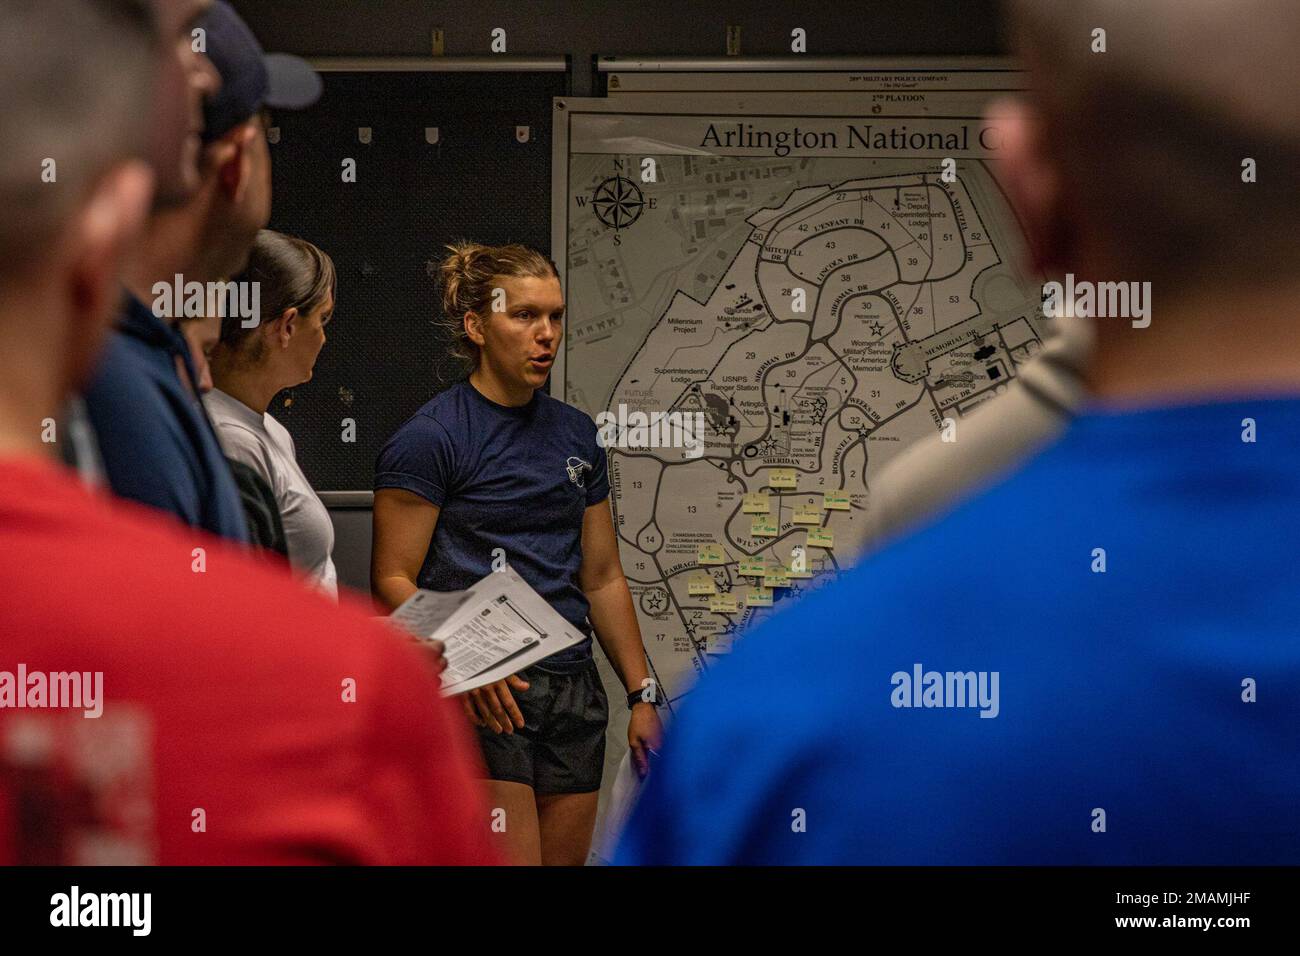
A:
{"points": [[514, 806], [566, 822]]}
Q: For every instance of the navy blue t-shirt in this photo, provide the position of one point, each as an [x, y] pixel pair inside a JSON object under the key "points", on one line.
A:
{"points": [[1147, 713], [518, 479], [158, 445]]}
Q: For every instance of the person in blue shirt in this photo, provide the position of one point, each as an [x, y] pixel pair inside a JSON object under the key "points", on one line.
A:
{"points": [[495, 470], [1093, 658], [157, 444]]}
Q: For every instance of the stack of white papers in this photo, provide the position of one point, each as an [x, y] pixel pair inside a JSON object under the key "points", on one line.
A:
{"points": [[495, 629]]}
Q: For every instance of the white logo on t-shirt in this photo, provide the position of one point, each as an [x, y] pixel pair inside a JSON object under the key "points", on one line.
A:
{"points": [[577, 469]]}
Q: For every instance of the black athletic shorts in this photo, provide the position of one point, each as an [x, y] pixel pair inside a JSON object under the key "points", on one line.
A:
{"points": [[561, 748]]}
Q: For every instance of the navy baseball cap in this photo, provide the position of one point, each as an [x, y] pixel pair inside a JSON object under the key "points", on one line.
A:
{"points": [[250, 79]]}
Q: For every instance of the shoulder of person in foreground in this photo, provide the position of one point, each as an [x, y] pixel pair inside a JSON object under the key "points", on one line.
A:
{"points": [[306, 732], [810, 744], [743, 747], [970, 452], [377, 719]]}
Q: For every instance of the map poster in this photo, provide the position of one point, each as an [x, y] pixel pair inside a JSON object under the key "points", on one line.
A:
{"points": [[770, 295]]}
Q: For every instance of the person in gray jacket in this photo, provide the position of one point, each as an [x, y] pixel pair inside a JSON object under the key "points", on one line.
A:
{"points": [[935, 475]]}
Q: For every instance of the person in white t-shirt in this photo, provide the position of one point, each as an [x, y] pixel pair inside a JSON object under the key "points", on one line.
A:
{"points": [[250, 366]]}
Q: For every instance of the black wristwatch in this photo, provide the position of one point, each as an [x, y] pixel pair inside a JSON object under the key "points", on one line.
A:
{"points": [[635, 697]]}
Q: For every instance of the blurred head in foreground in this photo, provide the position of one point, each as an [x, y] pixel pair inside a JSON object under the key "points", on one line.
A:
{"points": [[1154, 153], [74, 186]]}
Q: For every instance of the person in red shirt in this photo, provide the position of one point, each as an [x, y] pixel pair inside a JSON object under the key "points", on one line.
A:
{"points": [[163, 697]]}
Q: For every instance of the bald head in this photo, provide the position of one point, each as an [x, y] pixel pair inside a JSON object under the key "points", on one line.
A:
{"points": [[74, 190], [1145, 142], [76, 76], [1236, 59]]}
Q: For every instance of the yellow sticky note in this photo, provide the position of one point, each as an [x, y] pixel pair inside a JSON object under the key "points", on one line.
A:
{"points": [[752, 567], [712, 553], [756, 503], [836, 501], [775, 579], [702, 584], [806, 514], [759, 597], [821, 538], [787, 479], [723, 604], [762, 527]]}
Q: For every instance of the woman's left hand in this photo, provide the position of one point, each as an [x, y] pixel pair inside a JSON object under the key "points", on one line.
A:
{"points": [[644, 734]]}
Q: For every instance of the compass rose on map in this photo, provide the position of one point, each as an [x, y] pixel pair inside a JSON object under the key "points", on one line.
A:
{"points": [[618, 202]]}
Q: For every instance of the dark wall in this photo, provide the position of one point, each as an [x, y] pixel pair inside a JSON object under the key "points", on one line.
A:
{"points": [[622, 27], [584, 28], [386, 355]]}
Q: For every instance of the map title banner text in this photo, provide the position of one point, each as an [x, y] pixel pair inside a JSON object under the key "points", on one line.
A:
{"points": [[885, 136], [946, 138]]}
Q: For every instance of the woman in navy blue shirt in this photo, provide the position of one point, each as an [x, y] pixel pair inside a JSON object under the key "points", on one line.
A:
{"points": [[494, 468]]}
